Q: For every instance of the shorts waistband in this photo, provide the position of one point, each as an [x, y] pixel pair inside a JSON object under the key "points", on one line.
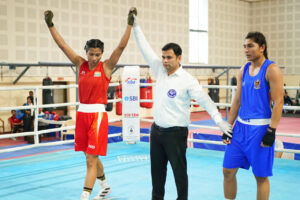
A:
{"points": [[173, 128], [255, 121], [91, 108]]}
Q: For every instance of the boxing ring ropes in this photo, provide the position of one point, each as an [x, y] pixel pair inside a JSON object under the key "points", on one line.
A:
{"points": [[36, 107]]}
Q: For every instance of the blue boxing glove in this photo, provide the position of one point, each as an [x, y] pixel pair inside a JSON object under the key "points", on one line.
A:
{"points": [[269, 137]]}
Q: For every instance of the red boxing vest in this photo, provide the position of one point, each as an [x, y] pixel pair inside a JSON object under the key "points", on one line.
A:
{"points": [[93, 84]]}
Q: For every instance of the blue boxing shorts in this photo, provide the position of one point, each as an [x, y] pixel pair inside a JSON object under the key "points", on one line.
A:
{"points": [[245, 150]]}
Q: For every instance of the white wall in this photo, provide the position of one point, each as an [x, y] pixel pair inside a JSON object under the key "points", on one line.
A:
{"points": [[229, 21], [279, 20], [25, 38]]}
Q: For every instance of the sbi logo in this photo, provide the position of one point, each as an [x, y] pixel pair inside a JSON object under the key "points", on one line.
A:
{"points": [[130, 80], [131, 98]]}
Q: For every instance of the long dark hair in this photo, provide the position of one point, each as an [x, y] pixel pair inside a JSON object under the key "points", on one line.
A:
{"points": [[260, 39], [94, 43]]}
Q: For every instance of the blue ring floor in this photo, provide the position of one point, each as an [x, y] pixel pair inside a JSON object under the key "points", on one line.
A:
{"points": [[60, 175]]}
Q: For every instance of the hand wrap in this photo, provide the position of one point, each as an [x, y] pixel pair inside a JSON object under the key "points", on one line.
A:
{"points": [[130, 19], [48, 18], [226, 137], [226, 128], [269, 137]]}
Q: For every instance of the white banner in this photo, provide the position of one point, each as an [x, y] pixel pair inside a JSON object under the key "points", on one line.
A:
{"points": [[131, 103]]}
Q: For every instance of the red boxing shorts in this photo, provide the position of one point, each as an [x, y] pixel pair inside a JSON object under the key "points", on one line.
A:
{"points": [[91, 131]]}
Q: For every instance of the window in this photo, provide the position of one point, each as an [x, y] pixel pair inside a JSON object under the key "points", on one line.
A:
{"points": [[198, 46]]}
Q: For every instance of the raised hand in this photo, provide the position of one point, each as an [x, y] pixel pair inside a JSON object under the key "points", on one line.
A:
{"points": [[130, 19], [48, 18]]}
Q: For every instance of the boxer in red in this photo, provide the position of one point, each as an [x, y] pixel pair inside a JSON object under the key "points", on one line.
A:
{"points": [[91, 119]]}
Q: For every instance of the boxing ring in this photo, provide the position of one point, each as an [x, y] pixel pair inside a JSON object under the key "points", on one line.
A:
{"points": [[60, 175], [52, 170]]}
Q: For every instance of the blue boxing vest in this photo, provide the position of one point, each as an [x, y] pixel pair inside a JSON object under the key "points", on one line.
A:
{"points": [[255, 99]]}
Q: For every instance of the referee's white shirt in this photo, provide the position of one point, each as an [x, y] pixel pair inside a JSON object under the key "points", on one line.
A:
{"points": [[173, 93]]}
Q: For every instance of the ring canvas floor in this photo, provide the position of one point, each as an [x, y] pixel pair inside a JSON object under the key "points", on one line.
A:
{"points": [[60, 175]]}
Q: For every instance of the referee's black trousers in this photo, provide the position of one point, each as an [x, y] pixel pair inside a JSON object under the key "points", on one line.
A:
{"points": [[168, 144]]}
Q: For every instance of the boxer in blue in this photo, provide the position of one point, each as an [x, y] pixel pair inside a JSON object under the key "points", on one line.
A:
{"points": [[252, 142]]}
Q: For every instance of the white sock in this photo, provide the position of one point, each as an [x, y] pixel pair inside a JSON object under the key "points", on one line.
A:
{"points": [[86, 192], [103, 184], [85, 195], [229, 199]]}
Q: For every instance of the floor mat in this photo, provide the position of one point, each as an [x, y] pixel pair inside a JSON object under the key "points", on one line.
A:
{"points": [[60, 175]]}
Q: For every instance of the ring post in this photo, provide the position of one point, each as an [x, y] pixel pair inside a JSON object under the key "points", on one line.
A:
{"points": [[131, 102]]}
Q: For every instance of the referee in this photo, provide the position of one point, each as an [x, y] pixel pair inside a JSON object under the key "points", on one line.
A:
{"points": [[173, 93]]}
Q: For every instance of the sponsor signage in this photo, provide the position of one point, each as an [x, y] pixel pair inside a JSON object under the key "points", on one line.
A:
{"points": [[130, 81], [131, 98], [131, 103]]}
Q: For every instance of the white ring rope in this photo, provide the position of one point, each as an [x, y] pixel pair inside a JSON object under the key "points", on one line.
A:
{"points": [[47, 130], [217, 128], [221, 143], [36, 133], [48, 144]]}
